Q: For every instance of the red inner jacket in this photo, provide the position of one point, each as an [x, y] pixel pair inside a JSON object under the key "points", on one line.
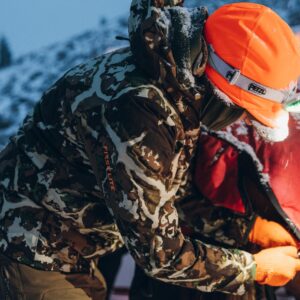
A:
{"points": [[217, 168]]}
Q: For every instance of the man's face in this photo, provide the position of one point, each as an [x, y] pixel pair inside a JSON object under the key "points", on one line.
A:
{"points": [[267, 133]]}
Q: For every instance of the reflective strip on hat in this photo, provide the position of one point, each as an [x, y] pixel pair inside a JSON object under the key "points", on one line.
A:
{"points": [[235, 77]]}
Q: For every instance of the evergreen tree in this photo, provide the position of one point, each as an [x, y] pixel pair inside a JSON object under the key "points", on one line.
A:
{"points": [[5, 54]]}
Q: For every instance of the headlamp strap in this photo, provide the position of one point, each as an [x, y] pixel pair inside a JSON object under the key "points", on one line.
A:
{"points": [[235, 77]]}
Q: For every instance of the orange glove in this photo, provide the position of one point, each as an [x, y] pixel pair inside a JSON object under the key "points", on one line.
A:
{"points": [[269, 234], [276, 266]]}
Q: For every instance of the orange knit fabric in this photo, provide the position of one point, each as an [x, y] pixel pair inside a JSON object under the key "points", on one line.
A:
{"points": [[255, 40]]}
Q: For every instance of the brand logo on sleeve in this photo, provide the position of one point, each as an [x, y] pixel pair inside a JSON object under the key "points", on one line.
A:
{"points": [[111, 181]]}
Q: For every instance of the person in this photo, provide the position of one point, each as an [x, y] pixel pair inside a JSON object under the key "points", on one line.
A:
{"points": [[246, 174], [242, 174], [108, 151]]}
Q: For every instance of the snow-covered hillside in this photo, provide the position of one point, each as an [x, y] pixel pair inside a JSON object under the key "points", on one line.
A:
{"points": [[23, 83]]}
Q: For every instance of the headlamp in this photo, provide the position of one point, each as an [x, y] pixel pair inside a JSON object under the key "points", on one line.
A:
{"points": [[288, 98], [293, 105]]}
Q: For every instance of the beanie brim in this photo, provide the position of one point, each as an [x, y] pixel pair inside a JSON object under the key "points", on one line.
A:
{"points": [[255, 41], [269, 113]]}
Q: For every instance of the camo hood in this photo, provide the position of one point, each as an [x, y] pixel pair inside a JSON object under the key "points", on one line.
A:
{"points": [[167, 43]]}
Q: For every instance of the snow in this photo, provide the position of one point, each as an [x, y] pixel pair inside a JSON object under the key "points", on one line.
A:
{"points": [[23, 83], [272, 134], [32, 24]]}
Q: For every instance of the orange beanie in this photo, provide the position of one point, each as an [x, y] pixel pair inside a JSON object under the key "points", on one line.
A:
{"points": [[255, 40]]}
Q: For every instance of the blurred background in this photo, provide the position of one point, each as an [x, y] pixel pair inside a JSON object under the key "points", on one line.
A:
{"points": [[41, 39]]}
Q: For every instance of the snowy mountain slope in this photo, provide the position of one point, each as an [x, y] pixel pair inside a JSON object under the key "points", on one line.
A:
{"points": [[23, 83]]}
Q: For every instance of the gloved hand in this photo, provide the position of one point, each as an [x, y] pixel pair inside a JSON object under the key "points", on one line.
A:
{"points": [[269, 234], [276, 266]]}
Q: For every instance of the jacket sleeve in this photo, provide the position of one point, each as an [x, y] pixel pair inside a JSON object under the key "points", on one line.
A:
{"points": [[216, 224], [139, 168], [201, 218]]}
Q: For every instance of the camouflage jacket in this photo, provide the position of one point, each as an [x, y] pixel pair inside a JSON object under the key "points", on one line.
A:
{"points": [[105, 160]]}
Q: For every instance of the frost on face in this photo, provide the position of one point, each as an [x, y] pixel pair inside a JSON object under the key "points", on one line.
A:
{"points": [[269, 134]]}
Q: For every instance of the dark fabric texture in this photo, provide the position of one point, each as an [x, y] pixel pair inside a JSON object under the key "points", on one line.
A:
{"points": [[145, 288], [215, 113]]}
